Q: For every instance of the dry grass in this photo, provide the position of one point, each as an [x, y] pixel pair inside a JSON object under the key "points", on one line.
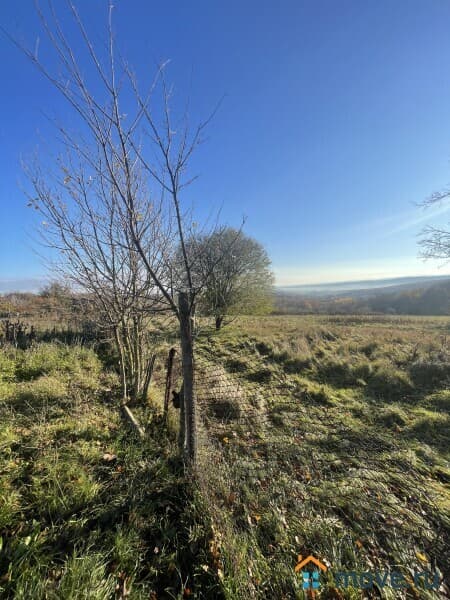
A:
{"points": [[343, 455], [323, 435]]}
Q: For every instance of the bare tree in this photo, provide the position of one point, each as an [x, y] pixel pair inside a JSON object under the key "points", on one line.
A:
{"points": [[435, 241], [135, 151], [83, 220]]}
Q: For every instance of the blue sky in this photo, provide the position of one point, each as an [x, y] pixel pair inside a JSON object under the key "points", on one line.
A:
{"points": [[335, 122]]}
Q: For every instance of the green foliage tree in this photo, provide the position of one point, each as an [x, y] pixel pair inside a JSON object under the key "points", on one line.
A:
{"points": [[235, 274]]}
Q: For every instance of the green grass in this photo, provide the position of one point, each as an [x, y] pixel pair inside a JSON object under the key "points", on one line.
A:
{"points": [[86, 509], [318, 435], [344, 455]]}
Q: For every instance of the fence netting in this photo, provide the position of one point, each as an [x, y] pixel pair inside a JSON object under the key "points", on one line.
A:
{"points": [[302, 472]]}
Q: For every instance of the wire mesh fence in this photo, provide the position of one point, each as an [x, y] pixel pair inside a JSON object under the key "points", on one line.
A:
{"points": [[270, 444]]}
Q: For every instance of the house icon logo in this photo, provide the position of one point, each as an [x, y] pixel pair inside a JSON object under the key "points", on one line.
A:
{"points": [[311, 579]]}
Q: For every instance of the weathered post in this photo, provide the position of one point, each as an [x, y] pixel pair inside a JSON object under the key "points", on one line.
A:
{"points": [[148, 376], [187, 359], [169, 375]]}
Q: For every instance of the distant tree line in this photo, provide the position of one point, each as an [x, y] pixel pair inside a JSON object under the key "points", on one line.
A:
{"points": [[430, 300]]}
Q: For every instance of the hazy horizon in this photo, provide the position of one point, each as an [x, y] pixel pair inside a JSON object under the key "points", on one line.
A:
{"points": [[35, 284]]}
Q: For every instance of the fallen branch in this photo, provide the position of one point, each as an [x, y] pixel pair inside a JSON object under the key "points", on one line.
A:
{"points": [[132, 419]]}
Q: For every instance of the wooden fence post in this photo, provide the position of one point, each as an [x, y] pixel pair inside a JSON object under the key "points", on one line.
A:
{"points": [[187, 359], [148, 376]]}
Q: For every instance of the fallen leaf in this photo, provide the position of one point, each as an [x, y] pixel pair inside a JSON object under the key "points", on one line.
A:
{"points": [[421, 557], [109, 457], [231, 497]]}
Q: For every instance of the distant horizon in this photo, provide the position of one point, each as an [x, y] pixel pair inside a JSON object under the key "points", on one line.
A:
{"points": [[34, 284], [404, 278]]}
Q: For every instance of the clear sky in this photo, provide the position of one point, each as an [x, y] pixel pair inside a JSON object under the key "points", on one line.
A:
{"points": [[336, 121]]}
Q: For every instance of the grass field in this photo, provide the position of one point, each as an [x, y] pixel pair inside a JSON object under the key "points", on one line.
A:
{"points": [[337, 446], [86, 509], [327, 436]]}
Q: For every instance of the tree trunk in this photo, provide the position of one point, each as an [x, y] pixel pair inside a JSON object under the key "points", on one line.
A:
{"points": [[148, 377], [137, 375], [187, 358], [182, 422], [168, 390], [123, 374]]}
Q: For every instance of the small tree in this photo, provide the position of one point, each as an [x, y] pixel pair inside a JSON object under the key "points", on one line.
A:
{"points": [[233, 273], [84, 221], [136, 152]]}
